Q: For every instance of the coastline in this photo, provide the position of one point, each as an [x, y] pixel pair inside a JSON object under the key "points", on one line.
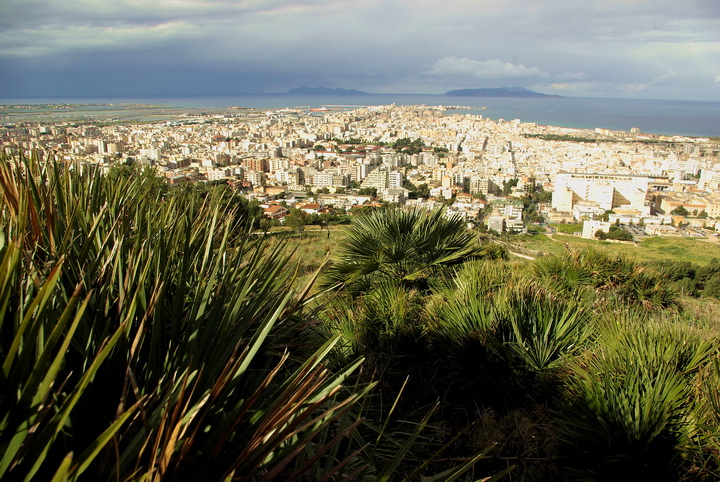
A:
{"points": [[659, 117]]}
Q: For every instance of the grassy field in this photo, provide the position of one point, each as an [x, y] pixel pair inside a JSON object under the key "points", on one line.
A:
{"points": [[650, 249], [313, 244]]}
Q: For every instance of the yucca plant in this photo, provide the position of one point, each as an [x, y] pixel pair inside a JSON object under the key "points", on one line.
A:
{"points": [[166, 331], [36, 400]]}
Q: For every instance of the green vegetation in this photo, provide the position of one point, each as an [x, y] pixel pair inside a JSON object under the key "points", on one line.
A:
{"points": [[615, 233], [593, 140], [146, 334], [692, 279], [415, 192], [398, 246], [680, 211], [150, 333], [564, 138], [568, 228], [518, 355], [648, 249], [368, 191], [408, 146], [508, 186]]}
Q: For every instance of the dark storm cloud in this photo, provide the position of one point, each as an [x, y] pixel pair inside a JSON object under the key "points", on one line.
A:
{"points": [[648, 48]]}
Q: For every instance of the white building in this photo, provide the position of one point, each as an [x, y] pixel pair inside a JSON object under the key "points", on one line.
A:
{"points": [[592, 227], [607, 191]]}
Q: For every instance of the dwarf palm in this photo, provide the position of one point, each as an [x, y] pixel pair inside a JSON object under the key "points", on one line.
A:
{"points": [[629, 400], [405, 246]]}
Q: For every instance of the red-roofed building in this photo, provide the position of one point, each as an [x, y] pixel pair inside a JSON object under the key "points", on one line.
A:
{"points": [[310, 208], [275, 212]]}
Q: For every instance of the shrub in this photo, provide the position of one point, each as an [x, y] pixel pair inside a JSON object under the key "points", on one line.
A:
{"points": [[628, 401], [404, 246]]}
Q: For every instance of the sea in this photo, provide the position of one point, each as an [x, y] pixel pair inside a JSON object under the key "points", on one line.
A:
{"points": [[662, 117]]}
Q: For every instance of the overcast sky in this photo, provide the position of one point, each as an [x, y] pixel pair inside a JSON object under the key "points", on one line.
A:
{"points": [[659, 49]]}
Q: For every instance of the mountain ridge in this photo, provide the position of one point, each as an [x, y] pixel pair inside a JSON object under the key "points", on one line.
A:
{"points": [[499, 92], [324, 91]]}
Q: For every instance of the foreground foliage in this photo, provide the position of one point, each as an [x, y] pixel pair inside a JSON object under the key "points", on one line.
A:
{"points": [[577, 365], [147, 335]]}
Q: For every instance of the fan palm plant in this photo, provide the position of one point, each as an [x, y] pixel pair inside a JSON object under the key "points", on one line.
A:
{"points": [[403, 246], [577, 272], [628, 401], [519, 330]]}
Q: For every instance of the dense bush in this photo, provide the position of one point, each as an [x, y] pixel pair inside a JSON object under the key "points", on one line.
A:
{"points": [[629, 406], [573, 345], [691, 279]]}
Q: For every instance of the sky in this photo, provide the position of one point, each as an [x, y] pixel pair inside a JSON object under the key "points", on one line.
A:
{"points": [[655, 49]]}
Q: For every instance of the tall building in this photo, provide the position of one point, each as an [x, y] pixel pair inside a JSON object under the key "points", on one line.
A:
{"points": [[608, 191], [256, 164], [482, 186], [395, 179], [378, 179]]}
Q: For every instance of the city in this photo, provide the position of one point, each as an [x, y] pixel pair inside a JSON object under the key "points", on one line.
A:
{"points": [[337, 159]]}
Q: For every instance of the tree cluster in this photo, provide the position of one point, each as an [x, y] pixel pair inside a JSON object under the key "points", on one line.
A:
{"points": [[692, 279], [615, 233]]}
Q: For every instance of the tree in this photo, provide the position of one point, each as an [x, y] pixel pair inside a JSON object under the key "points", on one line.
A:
{"points": [[680, 211], [508, 185], [619, 234], [712, 287], [368, 191], [408, 146], [605, 217], [600, 234], [296, 219]]}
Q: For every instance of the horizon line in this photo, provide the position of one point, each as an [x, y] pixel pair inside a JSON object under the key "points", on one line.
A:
{"points": [[290, 94]]}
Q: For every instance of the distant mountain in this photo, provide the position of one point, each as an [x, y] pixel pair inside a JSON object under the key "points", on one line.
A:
{"points": [[324, 91], [498, 92]]}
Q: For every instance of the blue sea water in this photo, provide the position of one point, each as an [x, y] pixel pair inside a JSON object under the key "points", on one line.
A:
{"points": [[664, 117]]}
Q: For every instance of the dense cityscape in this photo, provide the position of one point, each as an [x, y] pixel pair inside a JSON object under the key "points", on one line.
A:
{"points": [[334, 160], [504, 298]]}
